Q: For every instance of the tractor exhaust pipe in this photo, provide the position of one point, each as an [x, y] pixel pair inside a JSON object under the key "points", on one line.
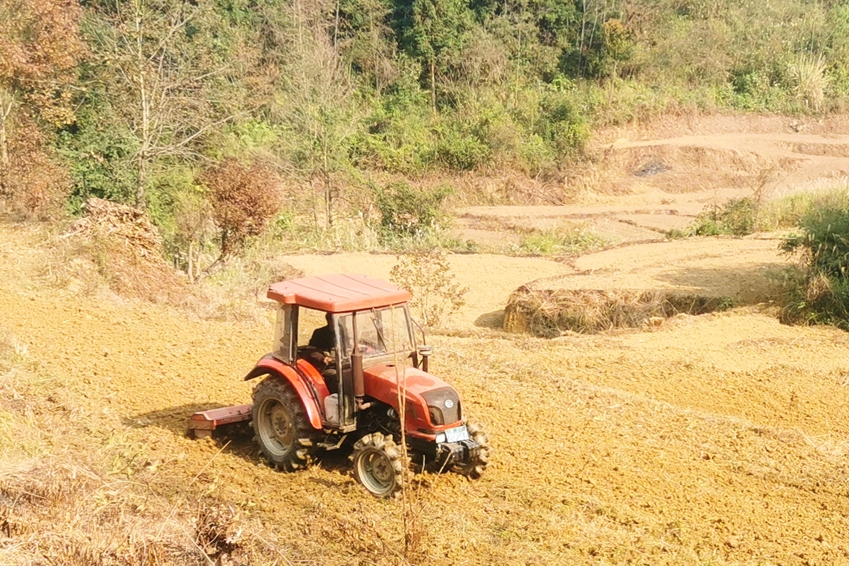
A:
{"points": [[425, 352], [357, 364]]}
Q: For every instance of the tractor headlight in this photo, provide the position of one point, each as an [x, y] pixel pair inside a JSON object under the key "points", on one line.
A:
{"points": [[435, 416], [440, 438]]}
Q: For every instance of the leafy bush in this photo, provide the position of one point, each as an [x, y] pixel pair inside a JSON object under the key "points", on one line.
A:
{"points": [[785, 212], [244, 199], [822, 295], [562, 124], [36, 182], [408, 211], [824, 241], [737, 217], [98, 155], [398, 134], [461, 151], [818, 299], [434, 292]]}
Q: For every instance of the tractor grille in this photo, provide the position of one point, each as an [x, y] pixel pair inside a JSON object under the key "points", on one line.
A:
{"points": [[440, 414]]}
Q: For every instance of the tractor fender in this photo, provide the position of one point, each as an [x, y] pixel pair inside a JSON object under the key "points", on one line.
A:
{"points": [[269, 365]]}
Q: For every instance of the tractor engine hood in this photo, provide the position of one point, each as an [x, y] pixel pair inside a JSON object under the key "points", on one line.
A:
{"points": [[432, 404]]}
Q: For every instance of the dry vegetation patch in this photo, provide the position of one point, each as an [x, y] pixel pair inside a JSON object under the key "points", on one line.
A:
{"points": [[551, 312], [641, 285], [116, 245]]}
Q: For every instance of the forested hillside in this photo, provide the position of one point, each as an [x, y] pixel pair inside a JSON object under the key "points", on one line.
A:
{"points": [[189, 108]]}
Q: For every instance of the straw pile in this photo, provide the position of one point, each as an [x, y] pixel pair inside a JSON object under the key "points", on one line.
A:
{"points": [[121, 223], [551, 312], [126, 250]]}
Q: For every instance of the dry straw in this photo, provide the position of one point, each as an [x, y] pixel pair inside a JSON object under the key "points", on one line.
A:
{"points": [[126, 250], [549, 313]]}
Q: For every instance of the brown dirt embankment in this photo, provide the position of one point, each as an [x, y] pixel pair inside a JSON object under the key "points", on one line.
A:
{"points": [[630, 286]]}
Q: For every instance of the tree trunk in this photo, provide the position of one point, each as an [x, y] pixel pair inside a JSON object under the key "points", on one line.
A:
{"points": [[191, 262], [328, 202], [4, 155], [336, 28], [5, 111], [433, 84], [142, 180], [145, 110]]}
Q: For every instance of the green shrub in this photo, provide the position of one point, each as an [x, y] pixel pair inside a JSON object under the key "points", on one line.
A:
{"points": [[99, 155], [737, 217], [562, 124], [398, 134], [572, 241], [819, 299], [406, 210], [823, 241], [785, 212], [460, 151], [822, 295]]}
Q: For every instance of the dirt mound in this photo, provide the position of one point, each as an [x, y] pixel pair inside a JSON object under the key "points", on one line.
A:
{"points": [[118, 245]]}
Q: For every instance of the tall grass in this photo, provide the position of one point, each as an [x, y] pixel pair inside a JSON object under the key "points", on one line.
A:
{"points": [[822, 245], [810, 81]]}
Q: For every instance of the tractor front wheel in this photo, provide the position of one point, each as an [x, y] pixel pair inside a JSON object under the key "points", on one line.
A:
{"points": [[478, 464], [281, 426], [378, 464]]}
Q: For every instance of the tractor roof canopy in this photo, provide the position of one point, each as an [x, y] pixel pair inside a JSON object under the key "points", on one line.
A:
{"points": [[337, 293]]}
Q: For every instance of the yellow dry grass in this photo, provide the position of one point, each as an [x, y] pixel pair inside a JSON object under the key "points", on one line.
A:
{"points": [[114, 246], [552, 312], [718, 439]]}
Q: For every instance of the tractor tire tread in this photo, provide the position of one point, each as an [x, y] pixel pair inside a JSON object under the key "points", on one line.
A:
{"points": [[475, 469], [387, 445], [302, 452]]}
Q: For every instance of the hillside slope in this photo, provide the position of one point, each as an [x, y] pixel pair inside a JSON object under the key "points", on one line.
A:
{"points": [[714, 440]]}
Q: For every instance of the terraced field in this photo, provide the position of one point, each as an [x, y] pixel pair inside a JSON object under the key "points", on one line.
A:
{"points": [[719, 439]]}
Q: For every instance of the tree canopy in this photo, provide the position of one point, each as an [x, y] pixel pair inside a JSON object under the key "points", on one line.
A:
{"points": [[132, 100]]}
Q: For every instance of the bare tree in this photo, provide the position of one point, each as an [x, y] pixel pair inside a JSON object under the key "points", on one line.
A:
{"points": [[167, 79], [317, 103]]}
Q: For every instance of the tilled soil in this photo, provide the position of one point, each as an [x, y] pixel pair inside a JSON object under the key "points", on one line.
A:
{"points": [[718, 439]]}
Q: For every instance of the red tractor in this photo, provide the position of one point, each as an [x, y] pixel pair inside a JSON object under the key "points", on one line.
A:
{"points": [[353, 380]]}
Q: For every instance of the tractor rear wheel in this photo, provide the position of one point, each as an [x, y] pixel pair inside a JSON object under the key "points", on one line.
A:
{"points": [[281, 426], [477, 465], [378, 464]]}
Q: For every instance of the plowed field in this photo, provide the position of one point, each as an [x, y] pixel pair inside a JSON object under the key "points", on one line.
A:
{"points": [[714, 440], [720, 439]]}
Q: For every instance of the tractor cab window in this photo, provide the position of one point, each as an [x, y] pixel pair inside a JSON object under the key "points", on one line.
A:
{"points": [[382, 331], [309, 321], [317, 342]]}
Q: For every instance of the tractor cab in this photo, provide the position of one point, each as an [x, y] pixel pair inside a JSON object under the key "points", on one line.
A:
{"points": [[366, 323]]}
